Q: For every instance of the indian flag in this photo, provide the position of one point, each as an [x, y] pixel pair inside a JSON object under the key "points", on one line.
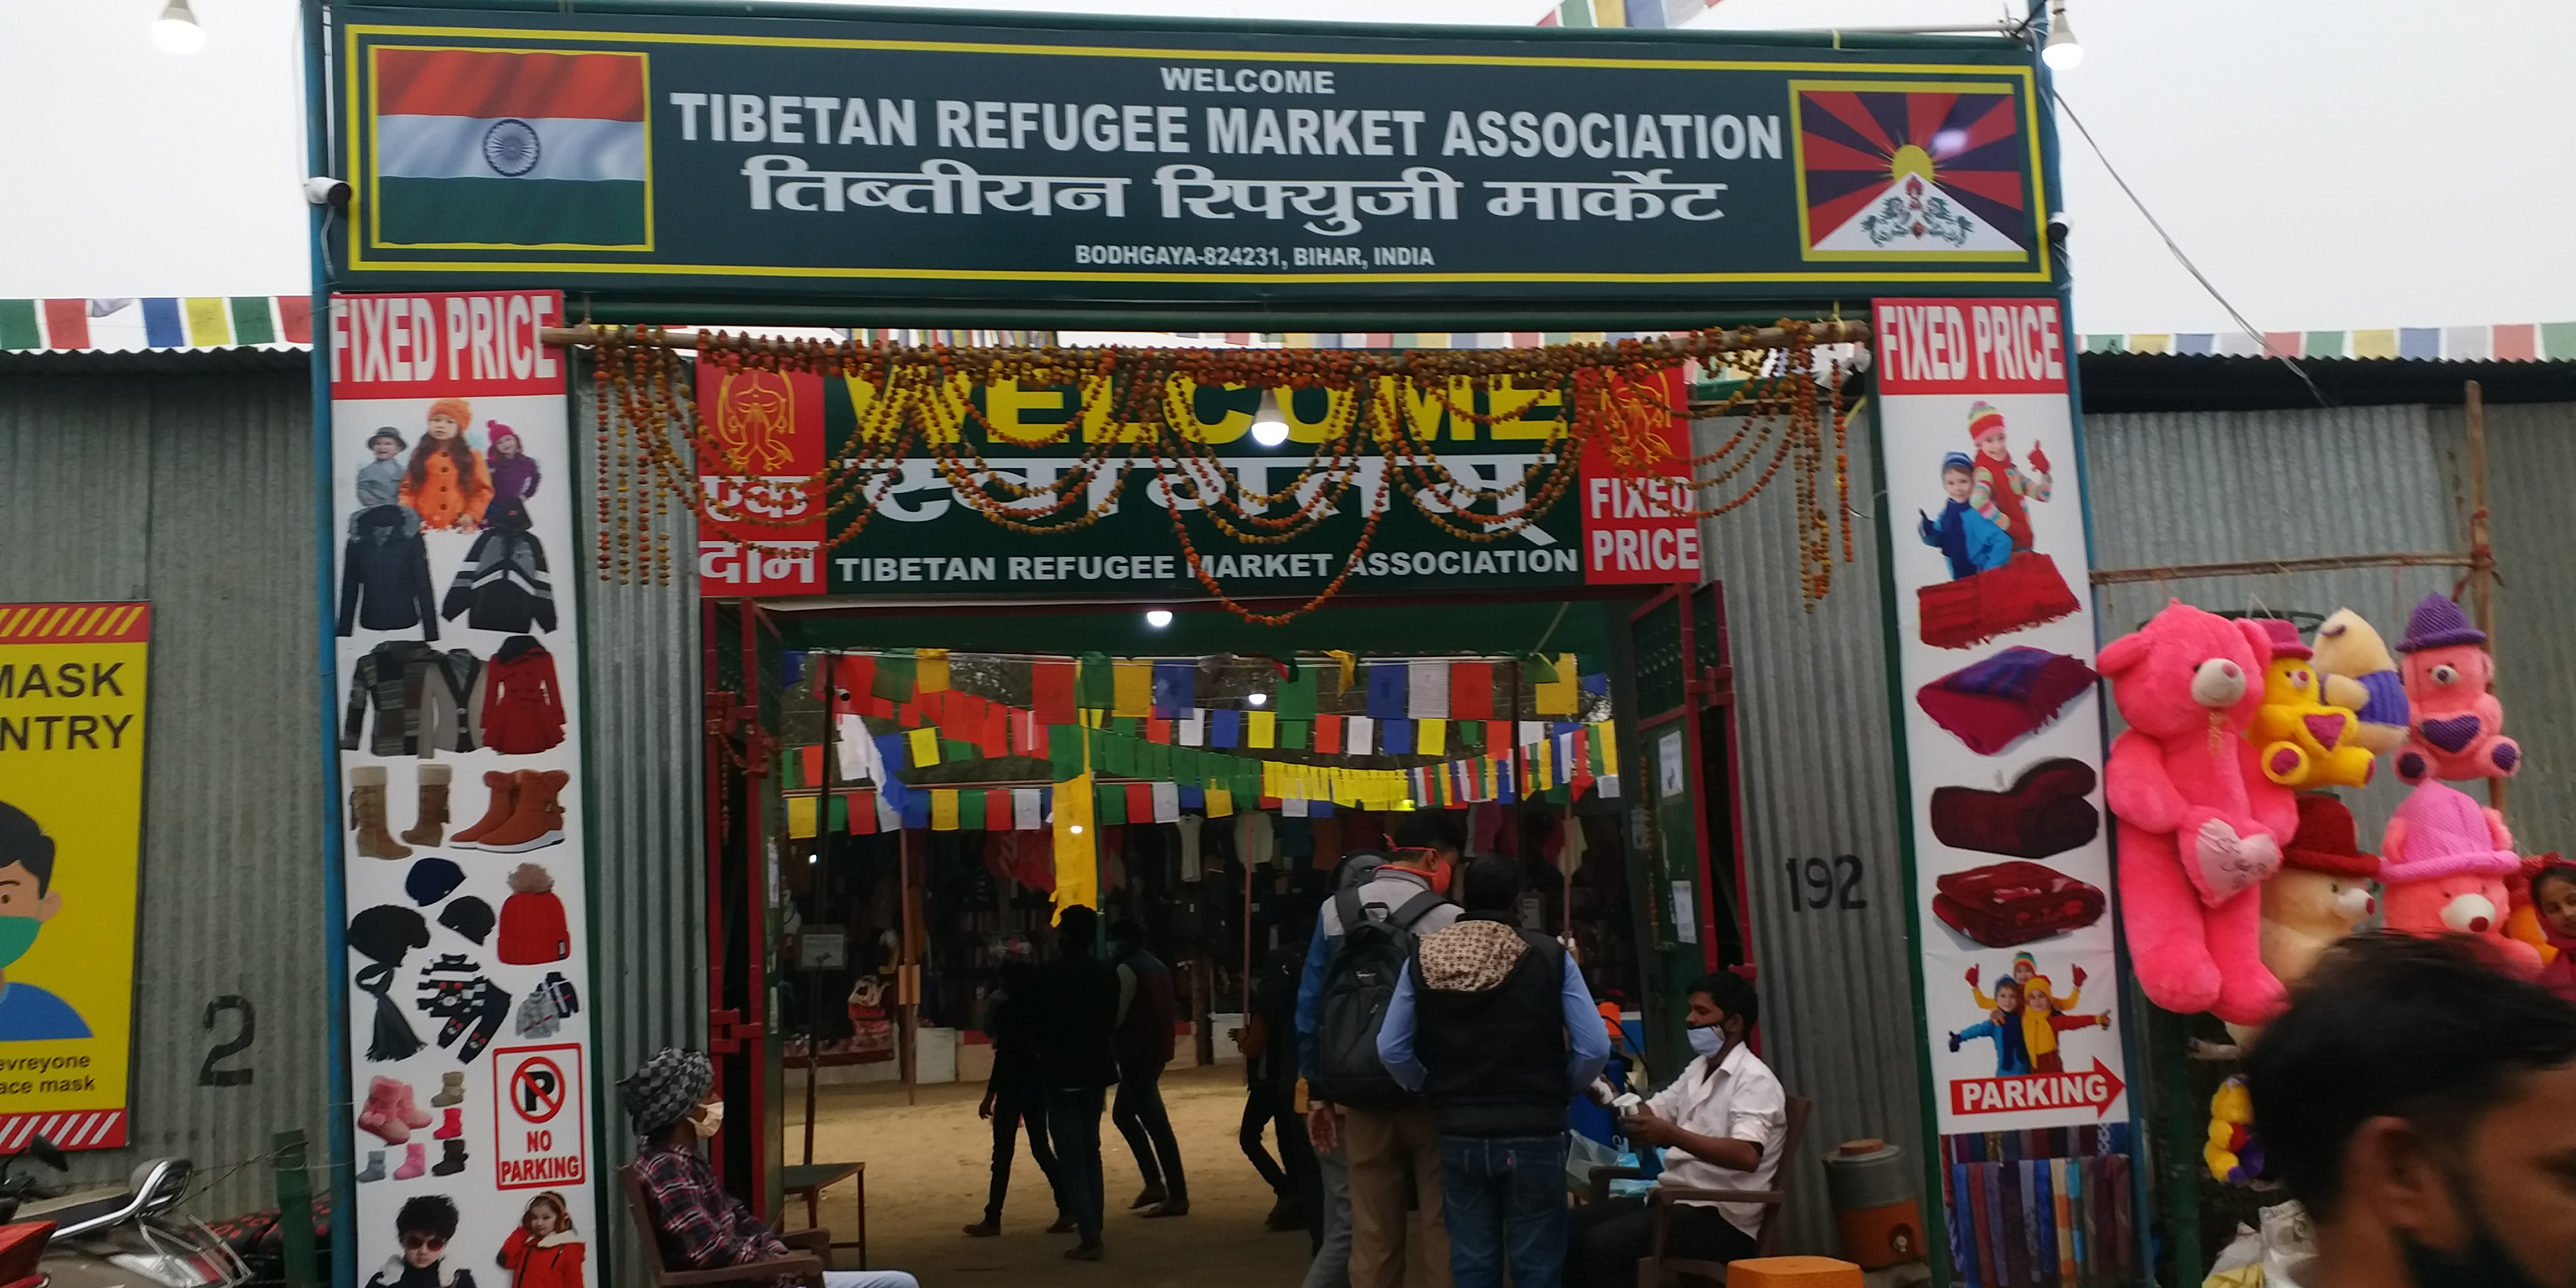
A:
{"points": [[483, 148]]}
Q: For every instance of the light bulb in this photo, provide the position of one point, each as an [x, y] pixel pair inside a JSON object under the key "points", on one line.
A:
{"points": [[1269, 425], [176, 30], [1256, 699], [2062, 52], [1076, 829], [813, 858], [1158, 618]]}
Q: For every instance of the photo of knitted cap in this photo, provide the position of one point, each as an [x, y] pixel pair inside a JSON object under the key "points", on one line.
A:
{"points": [[470, 917], [1983, 419], [387, 931], [433, 879]]}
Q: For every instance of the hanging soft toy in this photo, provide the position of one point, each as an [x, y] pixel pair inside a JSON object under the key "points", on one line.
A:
{"points": [[2446, 863], [2321, 892], [2304, 742], [2234, 1153], [2458, 731], [2200, 826], [2361, 677]]}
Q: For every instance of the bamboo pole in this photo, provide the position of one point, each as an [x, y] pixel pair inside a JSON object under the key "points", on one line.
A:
{"points": [[2481, 555], [2269, 567]]}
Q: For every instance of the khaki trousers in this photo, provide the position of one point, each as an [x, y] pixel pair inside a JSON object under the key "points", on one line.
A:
{"points": [[1384, 1145]]}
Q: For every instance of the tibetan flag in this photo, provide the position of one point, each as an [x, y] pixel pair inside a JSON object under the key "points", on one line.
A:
{"points": [[491, 148]]}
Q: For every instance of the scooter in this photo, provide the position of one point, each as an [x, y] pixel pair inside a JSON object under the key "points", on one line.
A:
{"points": [[109, 1240]]}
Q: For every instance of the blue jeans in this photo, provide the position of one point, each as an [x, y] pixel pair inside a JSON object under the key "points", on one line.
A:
{"points": [[1073, 1127], [1504, 1200]]}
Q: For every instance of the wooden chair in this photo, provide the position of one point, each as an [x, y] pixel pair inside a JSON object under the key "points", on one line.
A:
{"points": [[806, 1267], [1656, 1265]]}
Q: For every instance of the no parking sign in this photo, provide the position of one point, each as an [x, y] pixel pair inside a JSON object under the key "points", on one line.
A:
{"points": [[539, 1125]]}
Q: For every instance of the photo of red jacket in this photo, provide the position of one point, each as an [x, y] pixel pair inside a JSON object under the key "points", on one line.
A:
{"points": [[551, 1262], [523, 709]]}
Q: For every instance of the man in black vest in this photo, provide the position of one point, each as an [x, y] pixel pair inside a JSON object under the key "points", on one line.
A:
{"points": [[1495, 1025], [1147, 1012]]}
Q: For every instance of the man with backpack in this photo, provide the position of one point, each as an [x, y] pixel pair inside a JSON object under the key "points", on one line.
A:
{"points": [[1496, 1025], [1363, 938]]}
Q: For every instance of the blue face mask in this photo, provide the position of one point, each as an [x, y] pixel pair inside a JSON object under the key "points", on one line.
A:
{"points": [[1708, 1039]]}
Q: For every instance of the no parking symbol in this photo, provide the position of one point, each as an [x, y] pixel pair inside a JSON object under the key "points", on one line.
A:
{"points": [[539, 1140]]}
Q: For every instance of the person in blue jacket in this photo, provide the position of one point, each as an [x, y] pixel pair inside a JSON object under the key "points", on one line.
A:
{"points": [[1969, 540], [27, 901]]}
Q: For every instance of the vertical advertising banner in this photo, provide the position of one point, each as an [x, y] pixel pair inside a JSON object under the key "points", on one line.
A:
{"points": [[2002, 722], [71, 833], [1637, 526], [460, 745], [762, 438]]}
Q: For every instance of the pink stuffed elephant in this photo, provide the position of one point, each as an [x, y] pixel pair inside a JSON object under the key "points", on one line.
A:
{"points": [[2200, 826], [2457, 728], [2445, 862]]}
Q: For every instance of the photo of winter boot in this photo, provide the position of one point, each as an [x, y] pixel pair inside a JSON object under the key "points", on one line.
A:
{"points": [[382, 1114], [415, 1161], [431, 822], [453, 1162], [453, 1128], [408, 1107], [375, 1170], [505, 800], [367, 814], [538, 820], [451, 1090]]}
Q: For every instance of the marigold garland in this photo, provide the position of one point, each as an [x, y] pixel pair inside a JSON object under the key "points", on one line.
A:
{"points": [[1136, 411]]}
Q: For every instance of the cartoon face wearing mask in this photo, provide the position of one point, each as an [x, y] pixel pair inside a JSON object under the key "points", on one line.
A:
{"points": [[27, 901]]}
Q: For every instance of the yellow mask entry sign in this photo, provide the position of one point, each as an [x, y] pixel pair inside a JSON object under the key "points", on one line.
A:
{"points": [[71, 830]]}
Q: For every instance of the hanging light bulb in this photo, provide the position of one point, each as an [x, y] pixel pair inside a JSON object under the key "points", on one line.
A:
{"points": [[1256, 699], [1158, 618], [2062, 52], [1076, 829], [1269, 425], [176, 29]]}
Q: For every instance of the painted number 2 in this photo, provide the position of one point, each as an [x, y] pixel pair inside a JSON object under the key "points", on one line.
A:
{"points": [[1816, 884], [208, 1075]]}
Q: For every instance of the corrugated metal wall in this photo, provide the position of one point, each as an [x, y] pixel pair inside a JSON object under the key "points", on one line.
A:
{"points": [[195, 492], [648, 929], [1813, 735]]}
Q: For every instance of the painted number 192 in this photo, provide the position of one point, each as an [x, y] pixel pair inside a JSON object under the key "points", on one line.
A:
{"points": [[1816, 884]]}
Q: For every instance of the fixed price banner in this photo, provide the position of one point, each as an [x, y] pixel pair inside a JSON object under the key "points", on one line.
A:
{"points": [[909, 530], [2002, 727], [460, 745], [71, 828], [905, 157]]}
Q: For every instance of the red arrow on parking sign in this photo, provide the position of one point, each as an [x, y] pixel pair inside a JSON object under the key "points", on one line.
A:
{"points": [[2096, 1089]]}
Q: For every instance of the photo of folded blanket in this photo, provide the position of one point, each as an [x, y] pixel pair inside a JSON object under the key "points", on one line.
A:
{"points": [[1991, 705]]}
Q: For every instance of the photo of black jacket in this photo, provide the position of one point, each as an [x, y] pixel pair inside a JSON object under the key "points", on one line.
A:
{"points": [[384, 574], [503, 581]]}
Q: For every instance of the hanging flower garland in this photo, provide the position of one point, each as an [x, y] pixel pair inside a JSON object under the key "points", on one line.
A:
{"points": [[1135, 411]]}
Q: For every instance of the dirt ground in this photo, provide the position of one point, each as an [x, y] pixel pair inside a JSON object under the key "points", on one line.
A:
{"points": [[929, 1165]]}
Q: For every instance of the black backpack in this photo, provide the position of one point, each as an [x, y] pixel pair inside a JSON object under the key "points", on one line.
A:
{"points": [[1359, 983]]}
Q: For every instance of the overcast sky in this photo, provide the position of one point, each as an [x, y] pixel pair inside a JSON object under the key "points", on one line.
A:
{"points": [[2329, 163]]}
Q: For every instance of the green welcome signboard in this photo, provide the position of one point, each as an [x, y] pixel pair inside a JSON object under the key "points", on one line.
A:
{"points": [[920, 160]]}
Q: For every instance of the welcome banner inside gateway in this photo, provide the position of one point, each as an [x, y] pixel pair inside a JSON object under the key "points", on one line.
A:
{"points": [[967, 158]]}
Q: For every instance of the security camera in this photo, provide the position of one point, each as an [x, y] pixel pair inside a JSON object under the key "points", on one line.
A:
{"points": [[2059, 225], [323, 190]]}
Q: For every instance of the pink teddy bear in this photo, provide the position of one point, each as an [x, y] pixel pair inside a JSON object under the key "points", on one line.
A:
{"points": [[2200, 826], [2457, 730], [2445, 862]]}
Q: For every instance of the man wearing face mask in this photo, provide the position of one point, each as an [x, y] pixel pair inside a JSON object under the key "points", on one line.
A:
{"points": [[674, 1109], [1720, 1124], [2420, 1100]]}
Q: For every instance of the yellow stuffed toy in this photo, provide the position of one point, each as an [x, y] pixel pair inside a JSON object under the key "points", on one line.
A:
{"points": [[2301, 741], [2361, 677], [2233, 1155]]}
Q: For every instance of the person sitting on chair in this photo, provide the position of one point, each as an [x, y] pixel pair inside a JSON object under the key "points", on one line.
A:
{"points": [[1720, 1123], [700, 1227]]}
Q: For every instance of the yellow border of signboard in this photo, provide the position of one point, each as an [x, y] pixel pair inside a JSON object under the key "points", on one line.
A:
{"points": [[358, 262]]}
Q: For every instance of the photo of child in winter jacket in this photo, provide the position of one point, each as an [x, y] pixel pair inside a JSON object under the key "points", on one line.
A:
{"points": [[1969, 540], [544, 1252], [1998, 487], [2004, 1026], [514, 472], [424, 1224], [2041, 1016], [446, 483], [380, 479]]}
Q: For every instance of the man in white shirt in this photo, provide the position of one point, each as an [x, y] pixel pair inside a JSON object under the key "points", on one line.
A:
{"points": [[1720, 1124]]}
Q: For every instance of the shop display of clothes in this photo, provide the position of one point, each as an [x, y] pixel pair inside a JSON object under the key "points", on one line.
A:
{"points": [[503, 581], [1188, 826], [425, 701], [1254, 839], [522, 710], [384, 574]]}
